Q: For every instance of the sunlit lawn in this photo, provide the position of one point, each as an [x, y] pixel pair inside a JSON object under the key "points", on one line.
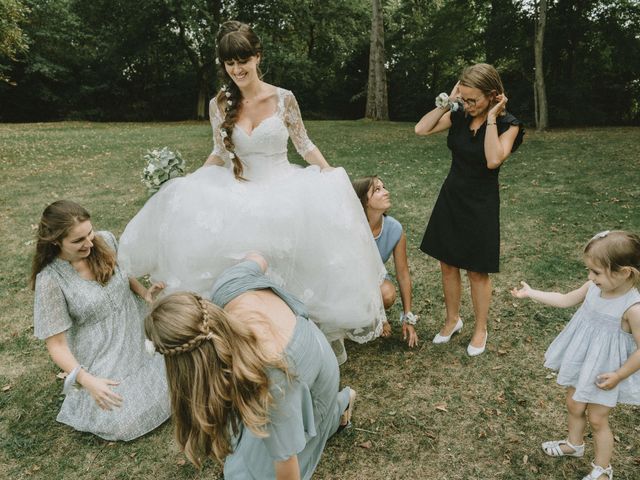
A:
{"points": [[427, 413]]}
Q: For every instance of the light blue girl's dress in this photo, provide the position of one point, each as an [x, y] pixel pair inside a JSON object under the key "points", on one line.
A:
{"points": [[594, 343], [306, 408]]}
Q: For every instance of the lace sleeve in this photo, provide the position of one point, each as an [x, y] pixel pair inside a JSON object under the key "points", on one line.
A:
{"points": [[215, 117], [50, 313], [293, 121]]}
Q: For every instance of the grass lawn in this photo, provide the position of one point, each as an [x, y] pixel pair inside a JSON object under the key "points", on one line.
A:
{"points": [[431, 412]]}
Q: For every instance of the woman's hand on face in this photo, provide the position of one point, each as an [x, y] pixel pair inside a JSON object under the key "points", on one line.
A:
{"points": [[409, 335], [455, 93], [153, 291], [498, 108], [100, 391]]}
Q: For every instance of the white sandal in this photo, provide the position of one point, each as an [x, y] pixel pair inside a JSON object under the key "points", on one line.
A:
{"points": [[598, 471], [552, 448]]}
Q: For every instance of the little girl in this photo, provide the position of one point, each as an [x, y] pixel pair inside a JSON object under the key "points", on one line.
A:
{"points": [[597, 355], [390, 238]]}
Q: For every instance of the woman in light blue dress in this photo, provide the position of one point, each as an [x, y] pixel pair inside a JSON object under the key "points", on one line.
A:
{"points": [[90, 315], [390, 240], [255, 385]]}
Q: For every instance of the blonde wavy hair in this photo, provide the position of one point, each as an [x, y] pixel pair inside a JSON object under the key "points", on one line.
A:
{"points": [[217, 374]]}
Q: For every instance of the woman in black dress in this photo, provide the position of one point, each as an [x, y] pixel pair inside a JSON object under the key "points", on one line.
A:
{"points": [[464, 228]]}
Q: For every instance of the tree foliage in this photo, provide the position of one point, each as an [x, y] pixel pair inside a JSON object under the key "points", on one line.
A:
{"points": [[153, 59]]}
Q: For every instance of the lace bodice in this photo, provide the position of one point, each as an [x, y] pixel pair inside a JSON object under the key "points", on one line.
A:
{"points": [[263, 152]]}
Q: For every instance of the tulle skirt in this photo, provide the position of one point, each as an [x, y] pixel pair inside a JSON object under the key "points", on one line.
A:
{"points": [[308, 224]]}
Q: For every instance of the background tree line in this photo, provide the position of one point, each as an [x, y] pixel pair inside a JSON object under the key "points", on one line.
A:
{"points": [[153, 59]]}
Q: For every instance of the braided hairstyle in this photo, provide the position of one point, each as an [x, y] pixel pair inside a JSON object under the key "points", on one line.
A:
{"points": [[216, 372], [236, 41]]}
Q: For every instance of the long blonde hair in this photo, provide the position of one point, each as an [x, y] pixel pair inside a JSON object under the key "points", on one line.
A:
{"points": [[217, 374]]}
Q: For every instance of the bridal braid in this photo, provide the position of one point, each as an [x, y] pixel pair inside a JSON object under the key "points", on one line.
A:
{"points": [[236, 41], [216, 371], [231, 105]]}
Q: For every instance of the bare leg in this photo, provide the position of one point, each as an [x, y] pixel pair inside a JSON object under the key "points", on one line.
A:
{"points": [[452, 288], [576, 421], [602, 435], [481, 298], [388, 291]]}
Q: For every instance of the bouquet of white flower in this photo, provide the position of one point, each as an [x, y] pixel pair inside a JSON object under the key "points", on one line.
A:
{"points": [[162, 165]]}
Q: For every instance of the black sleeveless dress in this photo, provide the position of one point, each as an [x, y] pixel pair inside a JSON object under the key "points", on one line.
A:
{"points": [[464, 228]]}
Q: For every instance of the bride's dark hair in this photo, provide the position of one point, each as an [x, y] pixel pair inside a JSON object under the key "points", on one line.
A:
{"points": [[236, 41]]}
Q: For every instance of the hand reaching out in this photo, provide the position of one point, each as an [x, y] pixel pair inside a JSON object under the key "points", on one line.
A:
{"points": [[153, 291], [523, 292]]}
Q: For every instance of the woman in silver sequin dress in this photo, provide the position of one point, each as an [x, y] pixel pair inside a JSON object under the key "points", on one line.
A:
{"points": [[90, 315]]}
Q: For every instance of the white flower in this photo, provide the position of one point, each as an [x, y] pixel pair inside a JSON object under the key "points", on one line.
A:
{"points": [[223, 133], [228, 94], [223, 88], [229, 102], [232, 155], [442, 100], [149, 346], [217, 61]]}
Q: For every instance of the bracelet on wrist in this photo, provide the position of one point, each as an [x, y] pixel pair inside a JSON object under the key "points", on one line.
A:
{"points": [[409, 318], [70, 382]]}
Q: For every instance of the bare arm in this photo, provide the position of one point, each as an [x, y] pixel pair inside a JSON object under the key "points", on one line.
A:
{"points": [[498, 147], [287, 469], [438, 119], [98, 388], [553, 299], [609, 380], [402, 272], [404, 282], [142, 292]]}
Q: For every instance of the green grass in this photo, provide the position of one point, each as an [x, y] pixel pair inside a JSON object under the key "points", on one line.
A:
{"points": [[557, 191]]}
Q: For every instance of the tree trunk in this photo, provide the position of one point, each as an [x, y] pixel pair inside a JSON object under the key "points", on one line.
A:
{"points": [[377, 101], [542, 117]]}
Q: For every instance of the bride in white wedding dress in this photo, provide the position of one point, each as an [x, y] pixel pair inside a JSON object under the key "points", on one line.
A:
{"points": [[248, 197]]}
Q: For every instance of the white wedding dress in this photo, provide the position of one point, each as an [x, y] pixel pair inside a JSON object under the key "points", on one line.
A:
{"points": [[308, 224]]}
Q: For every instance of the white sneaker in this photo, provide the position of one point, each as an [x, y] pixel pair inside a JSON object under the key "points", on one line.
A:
{"points": [[442, 339]]}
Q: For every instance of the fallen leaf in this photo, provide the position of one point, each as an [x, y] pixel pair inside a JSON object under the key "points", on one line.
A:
{"points": [[132, 455], [616, 438], [502, 352], [6, 388], [61, 375], [525, 459], [181, 462], [366, 444], [442, 407]]}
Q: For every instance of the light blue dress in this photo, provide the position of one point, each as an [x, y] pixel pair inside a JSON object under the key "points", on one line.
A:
{"points": [[594, 343], [104, 331], [388, 238], [306, 409]]}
